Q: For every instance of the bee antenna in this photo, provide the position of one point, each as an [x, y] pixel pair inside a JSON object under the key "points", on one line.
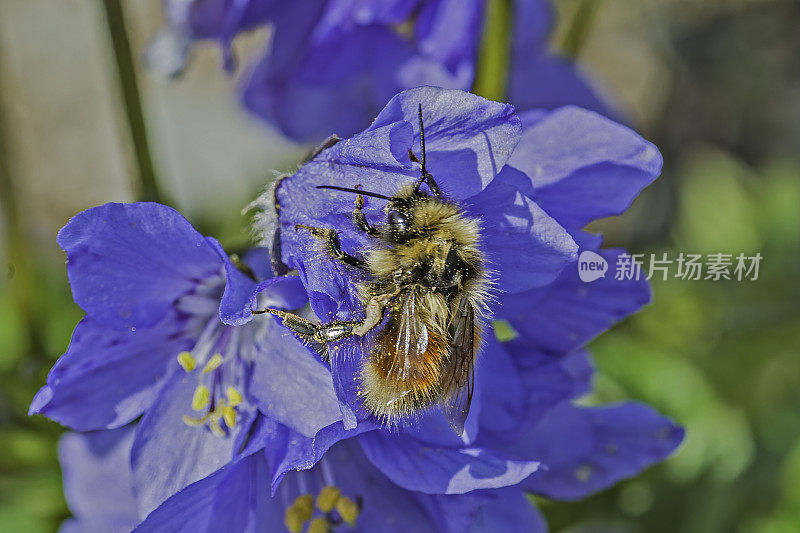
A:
{"points": [[424, 176], [356, 191], [422, 139]]}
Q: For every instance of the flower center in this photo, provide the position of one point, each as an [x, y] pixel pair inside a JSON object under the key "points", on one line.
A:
{"points": [[218, 393], [218, 407], [324, 513]]}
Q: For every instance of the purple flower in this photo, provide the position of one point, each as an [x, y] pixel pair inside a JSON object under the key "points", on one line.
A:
{"points": [[579, 167], [243, 427], [532, 184], [359, 496], [280, 475], [98, 482], [168, 336], [331, 65], [510, 174], [342, 489]]}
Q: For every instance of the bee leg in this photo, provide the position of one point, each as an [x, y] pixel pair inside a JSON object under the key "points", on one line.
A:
{"points": [[331, 240], [361, 221], [336, 330], [373, 314], [316, 335], [305, 329]]}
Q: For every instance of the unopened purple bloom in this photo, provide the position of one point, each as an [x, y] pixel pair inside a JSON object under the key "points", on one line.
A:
{"points": [[189, 20]]}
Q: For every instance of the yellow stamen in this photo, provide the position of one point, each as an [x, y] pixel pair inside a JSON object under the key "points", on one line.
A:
{"points": [[348, 510], [201, 398], [186, 360], [212, 364], [216, 429], [194, 422], [229, 416], [292, 523], [318, 525], [327, 498], [299, 513], [234, 397]]}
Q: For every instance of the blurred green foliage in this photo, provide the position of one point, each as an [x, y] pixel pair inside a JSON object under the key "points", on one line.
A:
{"points": [[30, 481], [722, 358]]}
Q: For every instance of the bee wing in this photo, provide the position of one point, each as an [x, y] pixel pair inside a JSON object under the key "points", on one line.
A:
{"points": [[412, 337], [459, 376]]}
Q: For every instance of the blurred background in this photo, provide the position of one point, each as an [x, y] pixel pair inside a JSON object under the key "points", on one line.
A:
{"points": [[714, 84]]}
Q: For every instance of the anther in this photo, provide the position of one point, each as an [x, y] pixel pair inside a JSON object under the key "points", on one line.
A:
{"points": [[216, 429], [200, 398], [229, 416], [327, 498], [318, 525], [194, 422], [212, 364], [299, 513], [348, 510], [186, 361], [234, 396]]}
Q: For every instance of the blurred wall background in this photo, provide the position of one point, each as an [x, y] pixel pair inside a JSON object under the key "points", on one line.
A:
{"points": [[715, 84]]}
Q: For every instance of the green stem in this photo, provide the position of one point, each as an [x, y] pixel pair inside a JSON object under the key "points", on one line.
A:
{"points": [[19, 272], [578, 30], [126, 72], [491, 76]]}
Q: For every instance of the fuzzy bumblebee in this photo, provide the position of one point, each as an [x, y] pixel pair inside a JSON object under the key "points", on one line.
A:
{"points": [[426, 288]]}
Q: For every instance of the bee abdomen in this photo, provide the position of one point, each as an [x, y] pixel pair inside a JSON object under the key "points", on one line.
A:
{"points": [[396, 383]]}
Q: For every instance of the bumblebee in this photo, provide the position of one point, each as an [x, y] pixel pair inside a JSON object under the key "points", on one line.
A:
{"points": [[425, 291]]}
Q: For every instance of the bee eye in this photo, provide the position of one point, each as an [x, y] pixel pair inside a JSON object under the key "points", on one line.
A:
{"points": [[398, 220], [398, 223]]}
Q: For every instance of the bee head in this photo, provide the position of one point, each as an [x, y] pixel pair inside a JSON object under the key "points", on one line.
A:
{"points": [[409, 213]]}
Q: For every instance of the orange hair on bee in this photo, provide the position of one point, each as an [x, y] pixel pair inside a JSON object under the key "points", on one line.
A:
{"points": [[392, 386]]}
